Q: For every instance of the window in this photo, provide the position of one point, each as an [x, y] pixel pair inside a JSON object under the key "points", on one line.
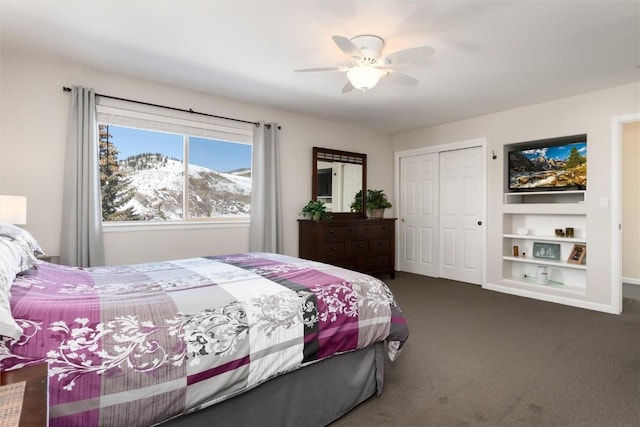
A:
{"points": [[145, 157]]}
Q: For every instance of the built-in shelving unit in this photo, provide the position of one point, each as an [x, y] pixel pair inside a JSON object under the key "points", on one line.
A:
{"points": [[546, 197], [540, 214]]}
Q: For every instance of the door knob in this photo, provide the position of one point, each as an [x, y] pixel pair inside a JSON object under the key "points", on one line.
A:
{"points": [[479, 222]]}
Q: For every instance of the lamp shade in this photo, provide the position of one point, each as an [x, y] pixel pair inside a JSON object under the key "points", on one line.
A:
{"points": [[13, 209], [364, 76]]}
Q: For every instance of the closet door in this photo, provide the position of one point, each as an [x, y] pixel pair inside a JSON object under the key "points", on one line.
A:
{"points": [[418, 250], [461, 215]]}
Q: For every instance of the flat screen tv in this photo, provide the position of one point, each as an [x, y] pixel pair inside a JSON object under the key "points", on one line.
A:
{"points": [[548, 165]]}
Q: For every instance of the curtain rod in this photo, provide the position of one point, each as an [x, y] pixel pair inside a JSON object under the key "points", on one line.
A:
{"points": [[257, 124]]}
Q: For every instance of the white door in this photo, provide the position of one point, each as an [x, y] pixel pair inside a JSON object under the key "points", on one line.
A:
{"points": [[418, 251], [461, 215]]}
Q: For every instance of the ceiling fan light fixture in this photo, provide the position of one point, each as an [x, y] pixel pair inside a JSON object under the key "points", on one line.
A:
{"points": [[364, 76], [369, 66]]}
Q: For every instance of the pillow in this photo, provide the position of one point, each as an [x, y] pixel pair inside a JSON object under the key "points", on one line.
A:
{"points": [[22, 244], [21, 236], [18, 251], [12, 258]]}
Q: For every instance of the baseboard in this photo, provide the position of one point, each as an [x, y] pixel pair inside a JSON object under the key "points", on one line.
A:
{"points": [[552, 298], [631, 281]]}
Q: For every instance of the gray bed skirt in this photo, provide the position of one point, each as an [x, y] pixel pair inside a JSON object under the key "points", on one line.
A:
{"points": [[315, 395]]}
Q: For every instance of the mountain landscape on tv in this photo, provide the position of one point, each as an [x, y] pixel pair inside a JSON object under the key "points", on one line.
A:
{"points": [[549, 168]]}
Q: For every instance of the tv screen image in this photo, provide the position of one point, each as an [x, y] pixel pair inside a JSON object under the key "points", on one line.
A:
{"points": [[549, 167]]}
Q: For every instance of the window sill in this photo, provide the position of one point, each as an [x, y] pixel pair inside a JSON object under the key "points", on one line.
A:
{"points": [[125, 227]]}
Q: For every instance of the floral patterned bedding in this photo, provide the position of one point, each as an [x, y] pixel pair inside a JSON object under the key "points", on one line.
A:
{"points": [[138, 344]]}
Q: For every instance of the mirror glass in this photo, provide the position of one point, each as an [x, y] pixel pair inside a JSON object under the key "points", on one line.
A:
{"points": [[338, 176]]}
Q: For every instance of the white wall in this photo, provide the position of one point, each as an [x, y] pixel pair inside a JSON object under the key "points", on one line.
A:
{"points": [[589, 113], [33, 119]]}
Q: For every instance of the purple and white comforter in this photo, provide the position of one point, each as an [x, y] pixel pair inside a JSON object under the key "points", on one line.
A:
{"points": [[138, 344]]}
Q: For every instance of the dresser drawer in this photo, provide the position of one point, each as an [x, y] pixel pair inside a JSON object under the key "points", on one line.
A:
{"points": [[340, 233], [374, 228], [381, 245], [376, 263], [359, 247], [350, 263], [334, 250]]}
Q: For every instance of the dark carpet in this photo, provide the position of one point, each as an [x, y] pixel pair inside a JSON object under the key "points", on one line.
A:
{"points": [[481, 358]]}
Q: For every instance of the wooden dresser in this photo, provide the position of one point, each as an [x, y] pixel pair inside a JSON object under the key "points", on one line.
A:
{"points": [[365, 245]]}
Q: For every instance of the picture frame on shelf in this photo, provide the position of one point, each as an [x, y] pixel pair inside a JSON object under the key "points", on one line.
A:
{"points": [[577, 255], [550, 251]]}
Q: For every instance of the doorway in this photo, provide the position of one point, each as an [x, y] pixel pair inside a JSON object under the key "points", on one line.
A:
{"points": [[625, 146], [622, 195], [442, 193]]}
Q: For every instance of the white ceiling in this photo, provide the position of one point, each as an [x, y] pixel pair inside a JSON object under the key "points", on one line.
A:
{"points": [[490, 55]]}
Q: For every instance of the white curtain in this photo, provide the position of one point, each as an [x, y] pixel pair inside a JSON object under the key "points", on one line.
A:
{"points": [[81, 240], [265, 232]]}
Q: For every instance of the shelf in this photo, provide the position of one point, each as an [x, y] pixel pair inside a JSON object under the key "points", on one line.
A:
{"points": [[540, 261], [550, 285], [546, 208], [544, 197], [546, 238], [545, 193]]}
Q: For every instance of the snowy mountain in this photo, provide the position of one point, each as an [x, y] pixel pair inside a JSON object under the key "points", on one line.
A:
{"points": [[158, 181]]}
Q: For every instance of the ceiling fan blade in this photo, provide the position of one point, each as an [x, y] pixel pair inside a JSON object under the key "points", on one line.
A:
{"points": [[312, 70], [347, 46], [348, 87], [402, 78], [412, 54]]}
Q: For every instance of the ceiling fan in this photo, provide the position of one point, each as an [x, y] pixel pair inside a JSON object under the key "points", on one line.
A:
{"points": [[368, 64]]}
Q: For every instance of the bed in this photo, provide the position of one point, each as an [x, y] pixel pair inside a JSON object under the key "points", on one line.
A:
{"points": [[240, 339]]}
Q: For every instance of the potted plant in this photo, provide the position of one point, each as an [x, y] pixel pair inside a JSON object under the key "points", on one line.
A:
{"points": [[375, 203], [315, 210], [356, 205]]}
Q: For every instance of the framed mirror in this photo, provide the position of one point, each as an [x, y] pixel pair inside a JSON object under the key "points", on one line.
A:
{"points": [[338, 176]]}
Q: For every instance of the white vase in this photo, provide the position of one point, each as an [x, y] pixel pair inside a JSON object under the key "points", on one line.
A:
{"points": [[542, 277]]}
